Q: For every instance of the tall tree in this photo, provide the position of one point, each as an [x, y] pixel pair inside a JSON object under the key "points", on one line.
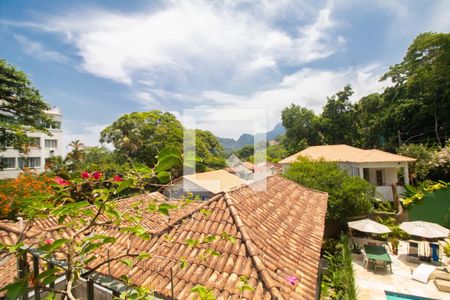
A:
{"points": [[337, 121], [301, 128], [76, 156], [140, 135], [423, 80], [369, 118], [22, 107], [209, 149]]}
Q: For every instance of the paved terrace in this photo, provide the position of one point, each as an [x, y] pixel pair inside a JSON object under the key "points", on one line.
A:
{"points": [[371, 286]]}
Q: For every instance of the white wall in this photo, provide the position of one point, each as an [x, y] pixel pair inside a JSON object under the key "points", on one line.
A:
{"points": [[390, 176], [42, 152]]}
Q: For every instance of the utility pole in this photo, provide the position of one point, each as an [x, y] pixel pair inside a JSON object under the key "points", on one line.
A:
{"points": [[399, 138]]}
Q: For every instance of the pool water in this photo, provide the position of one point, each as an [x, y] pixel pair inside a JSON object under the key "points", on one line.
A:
{"points": [[398, 296]]}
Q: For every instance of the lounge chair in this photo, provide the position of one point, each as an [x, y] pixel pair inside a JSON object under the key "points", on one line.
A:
{"points": [[365, 259], [413, 252], [440, 273], [423, 272], [442, 285], [380, 264]]}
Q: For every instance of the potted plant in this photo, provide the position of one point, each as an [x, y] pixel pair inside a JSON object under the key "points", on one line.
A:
{"points": [[394, 244]]}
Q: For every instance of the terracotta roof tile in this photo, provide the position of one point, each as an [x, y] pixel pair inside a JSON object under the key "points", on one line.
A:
{"points": [[278, 233], [345, 153]]}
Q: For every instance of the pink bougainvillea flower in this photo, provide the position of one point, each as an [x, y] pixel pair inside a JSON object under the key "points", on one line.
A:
{"points": [[61, 181], [292, 279], [117, 178], [48, 241], [85, 175], [97, 175]]}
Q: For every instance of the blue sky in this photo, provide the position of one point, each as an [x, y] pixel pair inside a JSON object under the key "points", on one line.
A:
{"points": [[97, 60]]}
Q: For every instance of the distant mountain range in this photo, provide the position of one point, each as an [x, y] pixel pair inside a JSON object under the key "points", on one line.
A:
{"points": [[247, 139]]}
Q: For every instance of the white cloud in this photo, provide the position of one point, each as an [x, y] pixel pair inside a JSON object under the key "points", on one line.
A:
{"points": [[89, 136], [195, 42], [39, 51], [307, 87]]}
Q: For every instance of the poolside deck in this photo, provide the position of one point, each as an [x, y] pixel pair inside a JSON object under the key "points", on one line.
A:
{"points": [[371, 286]]}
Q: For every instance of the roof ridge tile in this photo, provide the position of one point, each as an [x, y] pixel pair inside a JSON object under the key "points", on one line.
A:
{"points": [[252, 249]]}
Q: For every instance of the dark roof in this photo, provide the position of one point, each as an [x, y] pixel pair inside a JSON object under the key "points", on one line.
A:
{"points": [[278, 234]]}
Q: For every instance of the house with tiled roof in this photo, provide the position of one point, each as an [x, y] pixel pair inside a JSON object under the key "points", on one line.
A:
{"points": [[203, 185], [380, 168], [277, 237]]}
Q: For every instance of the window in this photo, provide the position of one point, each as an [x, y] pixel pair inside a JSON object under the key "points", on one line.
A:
{"points": [[35, 142], [30, 162], [55, 125], [51, 143], [8, 162], [366, 174]]}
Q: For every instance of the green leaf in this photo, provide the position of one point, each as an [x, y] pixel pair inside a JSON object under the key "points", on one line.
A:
{"points": [[163, 177], [15, 289], [49, 279], [209, 239], [124, 184], [169, 151], [183, 263], [128, 262], [167, 162], [192, 243], [144, 255], [50, 296], [47, 273]]}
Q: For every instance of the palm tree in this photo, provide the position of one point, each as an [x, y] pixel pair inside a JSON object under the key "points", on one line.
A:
{"points": [[76, 156]]}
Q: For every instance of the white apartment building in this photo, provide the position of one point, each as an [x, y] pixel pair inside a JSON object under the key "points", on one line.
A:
{"points": [[42, 148]]}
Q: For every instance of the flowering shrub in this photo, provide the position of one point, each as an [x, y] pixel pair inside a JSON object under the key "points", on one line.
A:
{"points": [[15, 192], [440, 164], [85, 204]]}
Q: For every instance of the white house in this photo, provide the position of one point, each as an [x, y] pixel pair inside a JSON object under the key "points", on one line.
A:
{"points": [[42, 148], [204, 185], [378, 167]]}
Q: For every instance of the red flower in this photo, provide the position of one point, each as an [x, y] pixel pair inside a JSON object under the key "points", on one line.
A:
{"points": [[97, 175], [85, 175], [117, 178], [48, 241], [61, 181]]}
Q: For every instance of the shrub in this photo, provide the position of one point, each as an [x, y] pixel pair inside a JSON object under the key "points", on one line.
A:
{"points": [[339, 281], [440, 164], [347, 195], [14, 192], [421, 168]]}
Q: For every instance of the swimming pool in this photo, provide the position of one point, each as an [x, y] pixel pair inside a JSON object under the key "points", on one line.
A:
{"points": [[398, 296]]}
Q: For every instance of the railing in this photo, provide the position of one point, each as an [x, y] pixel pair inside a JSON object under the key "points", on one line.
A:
{"points": [[96, 286], [385, 192]]}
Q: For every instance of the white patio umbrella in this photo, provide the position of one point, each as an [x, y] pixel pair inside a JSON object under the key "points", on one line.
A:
{"points": [[367, 225], [425, 229]]}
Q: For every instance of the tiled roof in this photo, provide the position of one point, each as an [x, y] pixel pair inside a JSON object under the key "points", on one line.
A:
{"points": [[278, 234], [215, 181], [345, 153]]}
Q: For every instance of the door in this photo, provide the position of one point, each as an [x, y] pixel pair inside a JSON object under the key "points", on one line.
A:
{"points": [[379, 175]]}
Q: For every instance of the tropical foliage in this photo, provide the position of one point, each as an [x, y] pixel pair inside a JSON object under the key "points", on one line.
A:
{"points": [[415, 109], [86, 204], [339, 281], [22, 108], [414, 194], [347, 195]]}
